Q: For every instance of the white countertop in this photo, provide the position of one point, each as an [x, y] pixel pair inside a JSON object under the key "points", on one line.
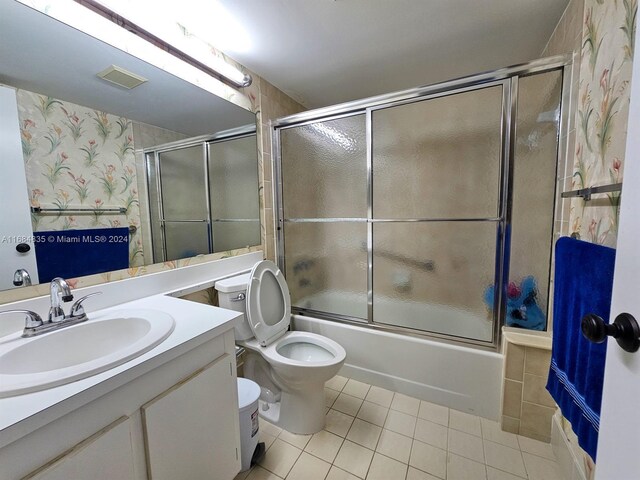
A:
{"points": [[195, 324]]}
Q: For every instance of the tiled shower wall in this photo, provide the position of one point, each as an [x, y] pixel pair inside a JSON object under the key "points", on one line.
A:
{"points": [[527, 407]]}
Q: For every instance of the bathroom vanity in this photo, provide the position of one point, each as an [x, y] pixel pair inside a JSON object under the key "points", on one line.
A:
{"points": [[169, 413]]}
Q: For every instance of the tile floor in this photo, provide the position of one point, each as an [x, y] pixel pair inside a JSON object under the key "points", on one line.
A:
{"points": [[376, 434]]}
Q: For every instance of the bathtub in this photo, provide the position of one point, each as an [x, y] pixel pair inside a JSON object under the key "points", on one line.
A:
{"points": [[464, 378], [439, 318]]}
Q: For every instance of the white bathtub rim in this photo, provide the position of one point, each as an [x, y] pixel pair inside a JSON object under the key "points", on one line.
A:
{"points": [[475, 389], [445, 342]]}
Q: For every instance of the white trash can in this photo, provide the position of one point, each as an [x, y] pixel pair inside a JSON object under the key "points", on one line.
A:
{"points": [[248, 394]]}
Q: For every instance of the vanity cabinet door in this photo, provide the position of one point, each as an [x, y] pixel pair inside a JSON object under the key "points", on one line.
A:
{"points": [[106, 455], [192, 430]]}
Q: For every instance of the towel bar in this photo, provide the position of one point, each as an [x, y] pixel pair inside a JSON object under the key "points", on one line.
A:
{"points": [[586, 193]]}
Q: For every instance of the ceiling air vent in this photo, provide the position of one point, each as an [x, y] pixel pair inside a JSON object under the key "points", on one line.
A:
{"points": [[121, 77]]}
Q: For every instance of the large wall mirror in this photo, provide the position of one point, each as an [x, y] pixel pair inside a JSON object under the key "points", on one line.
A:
{"points": [[101, 174]]}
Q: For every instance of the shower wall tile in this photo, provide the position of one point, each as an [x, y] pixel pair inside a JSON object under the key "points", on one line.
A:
{"points": [[534, 390], [526, 406], [510, 424], [514, 362], [512, 399], [268, 196], [535, 421], [537, 361], [267, 167]]}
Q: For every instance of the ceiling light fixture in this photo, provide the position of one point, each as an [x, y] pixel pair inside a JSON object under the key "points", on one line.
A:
{"points": [[163, 35]]}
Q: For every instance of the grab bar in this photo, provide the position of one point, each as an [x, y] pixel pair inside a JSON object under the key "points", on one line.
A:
{"points": [[427, 265]]}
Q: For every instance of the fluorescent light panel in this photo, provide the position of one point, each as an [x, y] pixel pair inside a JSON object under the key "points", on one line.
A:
{"points": [[170, 20]]}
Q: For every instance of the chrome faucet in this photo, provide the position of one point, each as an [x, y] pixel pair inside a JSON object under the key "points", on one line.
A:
{"points": [[60, 293], [22, 278]]}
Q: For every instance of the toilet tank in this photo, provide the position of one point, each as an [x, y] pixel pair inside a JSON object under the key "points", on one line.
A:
{"points": [[232, 293]]}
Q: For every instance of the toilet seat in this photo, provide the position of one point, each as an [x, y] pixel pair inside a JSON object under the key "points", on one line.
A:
{"points": [[268, 303], [275, 352]]}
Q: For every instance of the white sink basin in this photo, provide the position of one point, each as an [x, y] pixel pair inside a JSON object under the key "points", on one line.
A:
{"points": [[72, 353]]}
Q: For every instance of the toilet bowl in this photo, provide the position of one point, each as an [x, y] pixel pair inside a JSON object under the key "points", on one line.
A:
{"points": [[290, 367]]}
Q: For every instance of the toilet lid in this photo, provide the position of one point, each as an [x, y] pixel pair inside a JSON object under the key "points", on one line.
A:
{"points": [[268, 302]]}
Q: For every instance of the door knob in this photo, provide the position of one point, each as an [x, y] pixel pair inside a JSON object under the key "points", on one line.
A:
{"points": [[23, 248], [624, 329]]}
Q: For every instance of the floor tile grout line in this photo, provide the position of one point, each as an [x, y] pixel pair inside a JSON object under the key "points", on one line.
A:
{"points": [[484, 432]]}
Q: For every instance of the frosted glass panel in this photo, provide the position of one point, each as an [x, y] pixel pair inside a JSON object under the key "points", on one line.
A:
{"points": [[233, 179], [326, 266], [532, 215], [324, 169], [186, 239], [183, 182], [432, 276], [438, 158], [232, 235], [154, 209]]}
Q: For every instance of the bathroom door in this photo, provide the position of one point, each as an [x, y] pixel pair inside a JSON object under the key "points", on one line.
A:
{"points": [[619, 439]]}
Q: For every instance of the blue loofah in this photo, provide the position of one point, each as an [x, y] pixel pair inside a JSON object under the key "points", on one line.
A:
{"points": [[522, 308]]}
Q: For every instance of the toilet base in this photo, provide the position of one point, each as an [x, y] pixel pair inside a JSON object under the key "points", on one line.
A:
{"points": [[301, 412], [270, 411]]}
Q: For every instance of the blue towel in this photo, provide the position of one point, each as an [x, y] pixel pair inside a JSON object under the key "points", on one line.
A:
{"points": [[583, 284], [76, 253]]}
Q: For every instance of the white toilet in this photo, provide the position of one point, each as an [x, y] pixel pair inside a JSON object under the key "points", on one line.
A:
{"points": [[290, 367]]}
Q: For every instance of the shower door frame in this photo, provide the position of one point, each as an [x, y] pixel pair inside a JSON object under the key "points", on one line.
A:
{"points": [[153, 177], [505, 77]]}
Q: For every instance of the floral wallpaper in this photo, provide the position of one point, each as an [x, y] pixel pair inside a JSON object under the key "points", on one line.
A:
{"points": [[602, 112], [77, 157]]}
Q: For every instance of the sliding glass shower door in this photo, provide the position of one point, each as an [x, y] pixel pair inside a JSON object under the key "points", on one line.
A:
{"points": [[184, 201], [437, 167], [400, 214], [325, 215]]}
